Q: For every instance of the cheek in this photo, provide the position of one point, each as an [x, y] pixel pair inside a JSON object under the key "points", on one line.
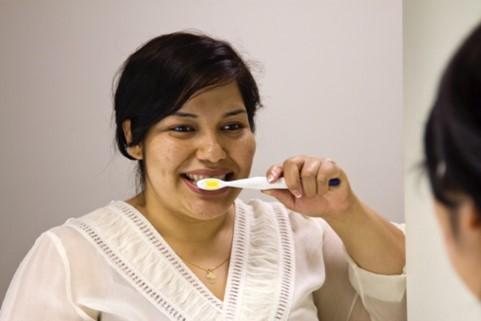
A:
{"points": [[242, 152], [443, 220], [164, 157], [247, 149], [251, 147]]}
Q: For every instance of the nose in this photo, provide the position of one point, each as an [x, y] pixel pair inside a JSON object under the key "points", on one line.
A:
{"points": [[210, 149]]}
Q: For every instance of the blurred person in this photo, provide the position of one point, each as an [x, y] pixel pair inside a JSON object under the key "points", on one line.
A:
{"points": [[452, 146]]}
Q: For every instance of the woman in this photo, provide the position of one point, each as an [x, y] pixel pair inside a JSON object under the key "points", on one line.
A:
{"points": [[452, 145], [184, 108]]}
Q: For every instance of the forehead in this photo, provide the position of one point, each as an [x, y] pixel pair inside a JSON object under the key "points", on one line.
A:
{"points": [[217, 99]]}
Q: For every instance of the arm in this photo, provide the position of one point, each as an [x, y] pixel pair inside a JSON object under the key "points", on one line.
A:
{"points": [[350, 293], [40, 288], [373, 243]]}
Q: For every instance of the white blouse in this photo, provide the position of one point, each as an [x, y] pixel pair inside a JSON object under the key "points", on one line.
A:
{"points": [[112, 265]]}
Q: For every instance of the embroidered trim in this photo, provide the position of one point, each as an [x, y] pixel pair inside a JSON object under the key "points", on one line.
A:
{"points": [[238, 265], [122, 267], [269, 277], [287, 265], [165, 250]]}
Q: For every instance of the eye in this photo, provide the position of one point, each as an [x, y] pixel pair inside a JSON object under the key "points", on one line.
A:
{"points": [[182, 129], [233, 126]]}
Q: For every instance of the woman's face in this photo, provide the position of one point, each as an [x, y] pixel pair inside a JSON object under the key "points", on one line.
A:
{"points": [[463, 243], [209, 136]]}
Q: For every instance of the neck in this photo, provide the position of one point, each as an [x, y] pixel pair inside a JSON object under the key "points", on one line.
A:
{"points": [[179, 228]]}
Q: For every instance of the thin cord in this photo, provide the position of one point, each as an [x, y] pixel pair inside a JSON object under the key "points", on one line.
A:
{"points": [[208, 270]]}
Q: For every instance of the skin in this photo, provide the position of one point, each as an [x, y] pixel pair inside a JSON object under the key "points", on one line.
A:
{"points": [[463, 244], [200, 227]]}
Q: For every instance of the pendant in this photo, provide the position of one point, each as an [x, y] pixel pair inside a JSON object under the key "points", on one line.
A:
{"points": [[210, 275]]}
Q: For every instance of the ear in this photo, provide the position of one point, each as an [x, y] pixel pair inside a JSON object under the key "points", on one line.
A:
{"points": [[471, 216], [470, 219], [134, 151]]}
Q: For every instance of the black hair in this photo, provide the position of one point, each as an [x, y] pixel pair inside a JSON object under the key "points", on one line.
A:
{"points": [[157, 79], [452, 137]]}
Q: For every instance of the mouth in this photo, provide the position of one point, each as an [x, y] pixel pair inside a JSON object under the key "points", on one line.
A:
{"points": [[196, 177], [191, 178]]}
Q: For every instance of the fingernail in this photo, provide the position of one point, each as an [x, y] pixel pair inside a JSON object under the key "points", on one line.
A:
{"points": [[297, 194], [270, 178]]}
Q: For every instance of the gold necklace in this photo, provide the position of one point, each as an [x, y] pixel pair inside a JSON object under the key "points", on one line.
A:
{"points": [[209, 273]]}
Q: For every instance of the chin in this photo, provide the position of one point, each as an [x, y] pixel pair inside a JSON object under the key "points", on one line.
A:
{"points": [[210, 208]]}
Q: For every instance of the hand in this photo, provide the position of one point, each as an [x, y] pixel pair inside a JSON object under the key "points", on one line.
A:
{"points": [[308, 192]]}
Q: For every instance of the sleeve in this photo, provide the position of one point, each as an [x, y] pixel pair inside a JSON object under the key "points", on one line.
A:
{"points": [[40, 289], [353, 294]]}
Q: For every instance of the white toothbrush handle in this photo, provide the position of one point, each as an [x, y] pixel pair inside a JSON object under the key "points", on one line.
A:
{"points": [[257, 183]]}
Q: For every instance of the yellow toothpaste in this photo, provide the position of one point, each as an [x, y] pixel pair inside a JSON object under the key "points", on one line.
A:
{"points": [[212, 184]]}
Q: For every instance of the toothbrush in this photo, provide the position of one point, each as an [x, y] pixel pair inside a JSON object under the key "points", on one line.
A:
{"points": [[260, 183]]}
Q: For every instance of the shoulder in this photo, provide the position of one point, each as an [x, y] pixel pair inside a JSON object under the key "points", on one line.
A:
{"points": [[56, 248], [67, 239]]}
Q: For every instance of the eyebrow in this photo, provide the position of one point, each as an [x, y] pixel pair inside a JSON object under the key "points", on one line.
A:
{"points": [[190, 115]]}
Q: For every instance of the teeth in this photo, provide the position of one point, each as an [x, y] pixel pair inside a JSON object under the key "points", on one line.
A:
{"points": [[196, 178]]}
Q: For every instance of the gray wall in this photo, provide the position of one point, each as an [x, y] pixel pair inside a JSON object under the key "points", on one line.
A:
{"points": [[330, 74], [432, 31]]}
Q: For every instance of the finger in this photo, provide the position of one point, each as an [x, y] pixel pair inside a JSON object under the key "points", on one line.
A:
{"points": [[283, 196], [309, 177], [327, 171], [274, 173], [292, 168]]}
